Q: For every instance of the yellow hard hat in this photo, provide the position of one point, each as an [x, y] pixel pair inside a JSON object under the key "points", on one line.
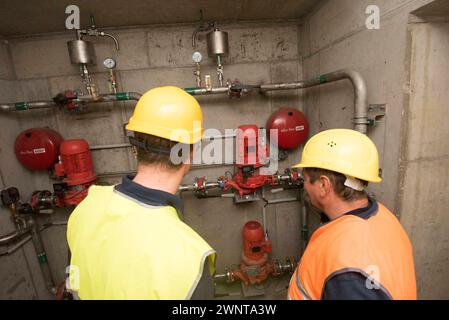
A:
{"points": [[170, 113], [345, 151]]}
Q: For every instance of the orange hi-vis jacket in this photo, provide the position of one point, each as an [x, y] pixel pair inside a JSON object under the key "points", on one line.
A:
{"points": [[376, 247]]}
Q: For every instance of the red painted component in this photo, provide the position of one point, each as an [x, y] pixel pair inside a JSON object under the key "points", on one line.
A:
{"points": [[70, 104], [252, 148], [74, 196], [76, 163], [251, 154], [38, 148], [292, 127], [255, 267], [254, 244]]}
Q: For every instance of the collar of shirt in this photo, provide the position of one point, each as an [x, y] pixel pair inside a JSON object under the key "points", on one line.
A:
{"points": [[364, 213], [149, 196]]}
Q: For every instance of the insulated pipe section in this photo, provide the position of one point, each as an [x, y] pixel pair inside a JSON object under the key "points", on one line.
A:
{"points": [[360, 92]]}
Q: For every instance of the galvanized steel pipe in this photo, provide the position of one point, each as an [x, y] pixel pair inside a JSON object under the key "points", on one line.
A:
{"points": [[204, 91], [360, 92], [21, 106]]}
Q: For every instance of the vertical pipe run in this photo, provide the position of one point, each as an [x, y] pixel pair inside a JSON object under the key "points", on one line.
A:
{"points": [[42, 257]]}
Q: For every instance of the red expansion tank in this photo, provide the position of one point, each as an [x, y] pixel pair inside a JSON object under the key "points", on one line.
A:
{"points": [[38, 148], [292, 127]]}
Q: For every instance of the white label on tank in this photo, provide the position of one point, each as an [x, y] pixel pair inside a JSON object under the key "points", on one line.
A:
{"points": [[40, 150], [299, 128]]}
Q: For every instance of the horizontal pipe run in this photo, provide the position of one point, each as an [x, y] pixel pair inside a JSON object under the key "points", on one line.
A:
{"points": [[277, 201], [22, 106], [127, 145], [204, 91], [119, 96], [110, 146]]}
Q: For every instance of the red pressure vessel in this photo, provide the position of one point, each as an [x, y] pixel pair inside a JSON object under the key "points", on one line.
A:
{"points": [[76, 162], [38, 148], [292, 127]]}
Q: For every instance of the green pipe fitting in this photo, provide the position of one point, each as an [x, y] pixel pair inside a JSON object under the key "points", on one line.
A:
{"points": [[21, 106], [190, 91], [323, 78], [42, 257], [122, 96]]}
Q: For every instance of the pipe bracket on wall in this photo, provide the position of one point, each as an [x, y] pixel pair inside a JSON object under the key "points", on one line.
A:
{"points": [[376, 112]]}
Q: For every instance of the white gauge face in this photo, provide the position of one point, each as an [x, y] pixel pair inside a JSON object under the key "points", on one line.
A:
{"points": [[197, 57], [109, 63]]}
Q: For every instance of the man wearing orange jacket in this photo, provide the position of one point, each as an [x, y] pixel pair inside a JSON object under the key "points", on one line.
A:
{"points": [[362, 251]]}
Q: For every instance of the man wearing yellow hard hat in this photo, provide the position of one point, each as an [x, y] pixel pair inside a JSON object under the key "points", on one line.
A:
{"points": [[362, 251], [128, 241]]}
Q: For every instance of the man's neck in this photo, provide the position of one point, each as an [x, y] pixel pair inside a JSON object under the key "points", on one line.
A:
{"points": [[158, 178], [339, 207]]}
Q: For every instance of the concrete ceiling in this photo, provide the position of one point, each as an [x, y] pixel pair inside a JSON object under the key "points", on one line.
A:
{"points": [[25, 17], [434, 9]]}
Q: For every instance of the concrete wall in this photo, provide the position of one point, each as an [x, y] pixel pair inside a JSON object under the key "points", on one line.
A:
{"points": [[150, 57], [425, 160], [17, 282], [414, 89]]}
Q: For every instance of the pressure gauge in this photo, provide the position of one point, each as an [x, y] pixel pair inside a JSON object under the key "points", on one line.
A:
{"points": [[109, 63], [197, 57]]}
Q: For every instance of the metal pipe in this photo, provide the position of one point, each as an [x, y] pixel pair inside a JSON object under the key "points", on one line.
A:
{"points": [[119, 96], [104, 34], [277, 201], [204, 91], [16, 246], [20, 106], [304, 226], [360, 92], [110, 146], [13, 236], [42, 257]]}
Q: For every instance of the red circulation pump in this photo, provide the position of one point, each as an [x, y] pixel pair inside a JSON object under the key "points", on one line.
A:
{"points": [[43, 148]]}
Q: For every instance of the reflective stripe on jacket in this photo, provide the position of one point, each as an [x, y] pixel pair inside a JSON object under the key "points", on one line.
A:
{"points": [[376, 247], [125, 249]]}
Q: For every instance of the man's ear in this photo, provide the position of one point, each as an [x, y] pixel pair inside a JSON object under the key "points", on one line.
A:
{"points": [[325, 185], [186, 168]]}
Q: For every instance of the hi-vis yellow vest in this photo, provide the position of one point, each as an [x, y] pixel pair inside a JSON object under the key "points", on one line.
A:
{"points": [[124, 249]]}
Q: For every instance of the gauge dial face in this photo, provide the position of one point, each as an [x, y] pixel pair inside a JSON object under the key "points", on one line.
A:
{"points": [[109, 63], [197, 57]]}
